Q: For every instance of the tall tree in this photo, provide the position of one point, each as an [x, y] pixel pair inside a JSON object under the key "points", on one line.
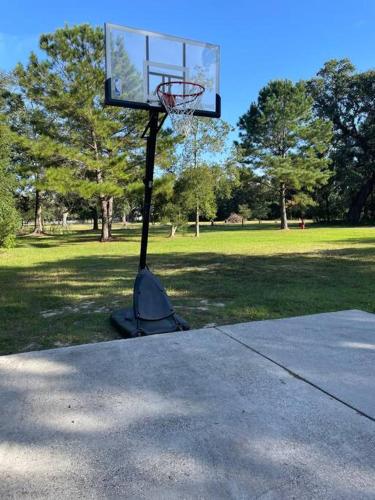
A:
{"points": [[300, 203], [9, 217], [195, 190], [167, 203], [96, 145], [347, 99], [32, 145], [245, 212], [207, 137], [281, 137]]}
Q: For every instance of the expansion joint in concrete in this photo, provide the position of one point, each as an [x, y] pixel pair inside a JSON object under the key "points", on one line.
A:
{"points": [[296, 375]]}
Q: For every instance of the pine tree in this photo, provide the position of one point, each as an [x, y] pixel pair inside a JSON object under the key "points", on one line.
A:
{"points": [[281, 137], [97, 149], [33, 146], [95, 145], [245, 212]]}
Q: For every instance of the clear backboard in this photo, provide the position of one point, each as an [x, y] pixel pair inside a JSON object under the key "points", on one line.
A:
{"points": [[138, 61]]}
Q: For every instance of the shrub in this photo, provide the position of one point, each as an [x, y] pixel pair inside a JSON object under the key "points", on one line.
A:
{"points": [[10, 221]]}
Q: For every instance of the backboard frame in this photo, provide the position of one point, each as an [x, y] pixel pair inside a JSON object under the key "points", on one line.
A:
{"points": [[111, 100]]}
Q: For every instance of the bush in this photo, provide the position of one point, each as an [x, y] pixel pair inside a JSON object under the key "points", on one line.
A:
{"points": [[10, 222]]}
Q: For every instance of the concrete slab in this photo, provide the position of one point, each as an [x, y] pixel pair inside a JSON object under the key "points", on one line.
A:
{"points": [[185, 415], [335, 351]]}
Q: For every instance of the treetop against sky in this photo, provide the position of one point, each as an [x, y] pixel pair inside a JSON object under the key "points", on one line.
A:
{"points": [[260, 41]]}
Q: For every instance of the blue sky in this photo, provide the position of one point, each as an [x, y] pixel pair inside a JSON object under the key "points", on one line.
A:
{"points": [[260, 40]]}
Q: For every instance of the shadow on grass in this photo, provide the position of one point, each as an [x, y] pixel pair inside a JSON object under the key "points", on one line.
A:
{"points": [[87, 236], [133, 233], [359, 241], [236, 227], [69, 301]]}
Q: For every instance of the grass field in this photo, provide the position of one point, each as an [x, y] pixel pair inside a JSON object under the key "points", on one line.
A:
{"points": [[58, 291]]}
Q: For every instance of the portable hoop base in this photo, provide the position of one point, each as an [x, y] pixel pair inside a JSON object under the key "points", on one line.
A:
{"points": [[152, 311]]}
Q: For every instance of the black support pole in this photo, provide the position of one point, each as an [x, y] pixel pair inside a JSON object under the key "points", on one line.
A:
{"points": [[153, 128], [152, 311]]}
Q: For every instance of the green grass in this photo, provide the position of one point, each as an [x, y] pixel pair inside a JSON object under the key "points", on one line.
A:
{"points": [[59, 290]]}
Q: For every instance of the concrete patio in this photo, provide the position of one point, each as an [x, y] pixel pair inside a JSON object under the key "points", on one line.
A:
{"points": [[271, 409]]}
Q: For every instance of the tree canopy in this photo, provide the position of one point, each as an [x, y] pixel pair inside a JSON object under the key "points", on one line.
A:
{"points": [[281, 137], [347, 99], [304, 149]]}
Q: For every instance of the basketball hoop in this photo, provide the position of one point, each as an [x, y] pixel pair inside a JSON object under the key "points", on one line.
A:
{"points": [[180, 100]]}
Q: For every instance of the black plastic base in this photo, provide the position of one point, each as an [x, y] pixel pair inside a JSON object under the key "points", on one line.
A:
{"points": [[128, 326]]}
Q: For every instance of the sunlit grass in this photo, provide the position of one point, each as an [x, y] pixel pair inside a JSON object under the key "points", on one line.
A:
{"points": [[60, 290]]}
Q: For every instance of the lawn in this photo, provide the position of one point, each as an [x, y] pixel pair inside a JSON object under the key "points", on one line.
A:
{"points": [[57, 291]]}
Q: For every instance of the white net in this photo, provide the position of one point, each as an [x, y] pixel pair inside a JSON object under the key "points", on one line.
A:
{"points": [[180, 100]]}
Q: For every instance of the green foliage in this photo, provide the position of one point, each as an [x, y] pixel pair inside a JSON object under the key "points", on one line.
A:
{"points": [[207, 137], [261, 210], [167, 204], [347, 99], [195, 189], [281, 137], [301, 202], [244, 211], [201, 180], [96, 151], [174, 215], [227, 181], [69, 85], [249, 189], [9, 217], [9, 221], [75, 154]]}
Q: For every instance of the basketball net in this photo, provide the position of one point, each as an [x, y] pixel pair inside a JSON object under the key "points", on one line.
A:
{"points": [[180, 100]]}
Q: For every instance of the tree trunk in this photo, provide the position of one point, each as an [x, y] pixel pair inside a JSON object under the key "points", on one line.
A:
{"points": [[105, 236], [358, 202], [65, 219], [283, 216], [328, 212], [124, 219], [95, 219], [172, 231], [197, 223], [38, 220], [110, 215], [243, 221]]}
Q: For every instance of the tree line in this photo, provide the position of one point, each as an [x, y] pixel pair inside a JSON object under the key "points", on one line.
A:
{"points": [[304, 149]]}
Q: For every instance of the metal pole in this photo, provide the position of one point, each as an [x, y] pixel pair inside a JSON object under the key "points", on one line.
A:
{"points": [[148, 181]]}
